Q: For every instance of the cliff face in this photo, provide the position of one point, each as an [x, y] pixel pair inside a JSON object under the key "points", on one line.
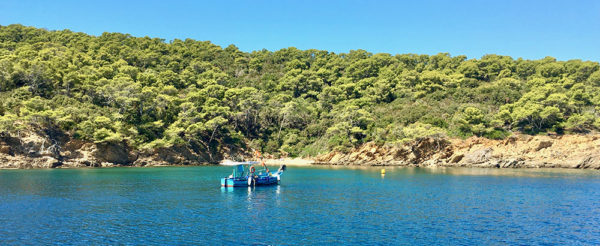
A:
{"points": [[519, 151], [53, 149]]}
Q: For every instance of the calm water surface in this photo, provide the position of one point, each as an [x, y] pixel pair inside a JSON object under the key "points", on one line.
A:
{"points": [[313, 205]]}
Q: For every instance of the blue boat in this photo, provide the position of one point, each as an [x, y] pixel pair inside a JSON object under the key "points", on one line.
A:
{"points": [[246, 174]]}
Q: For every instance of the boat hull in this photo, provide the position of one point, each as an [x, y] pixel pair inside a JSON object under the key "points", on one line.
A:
{"points": [[243, 182]]}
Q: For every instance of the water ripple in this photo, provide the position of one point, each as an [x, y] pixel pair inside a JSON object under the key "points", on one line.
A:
{"points": [[313, 205]]}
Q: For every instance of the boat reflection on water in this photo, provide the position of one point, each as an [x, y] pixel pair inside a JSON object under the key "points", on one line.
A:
{"points": [[251, 189], [228, 189], [253, 192], [255, 199]]}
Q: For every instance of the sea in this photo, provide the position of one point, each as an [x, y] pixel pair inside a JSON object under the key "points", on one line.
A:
{"points": [[313, 205]]}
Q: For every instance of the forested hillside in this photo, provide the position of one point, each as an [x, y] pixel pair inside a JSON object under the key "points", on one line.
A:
{"points": [[151, 93]]}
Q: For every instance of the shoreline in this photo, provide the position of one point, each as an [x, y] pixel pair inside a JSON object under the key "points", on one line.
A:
{"points": [[311, 163], [467, 170], [290, 161], [517, 151], [580, 151]]}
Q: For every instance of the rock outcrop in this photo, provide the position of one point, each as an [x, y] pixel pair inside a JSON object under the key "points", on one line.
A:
{"points": [[518, 151], [51, 149]]}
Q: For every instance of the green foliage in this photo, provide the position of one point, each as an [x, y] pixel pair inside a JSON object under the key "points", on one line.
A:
{"points": [[470, 121], [580, 122], [417, 130], [157, 94]]}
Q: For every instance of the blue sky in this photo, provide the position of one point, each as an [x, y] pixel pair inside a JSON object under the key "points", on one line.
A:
{"points": [[529, 29]]}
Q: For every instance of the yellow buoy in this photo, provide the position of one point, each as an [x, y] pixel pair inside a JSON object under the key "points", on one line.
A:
{"points": [[383, 171]]}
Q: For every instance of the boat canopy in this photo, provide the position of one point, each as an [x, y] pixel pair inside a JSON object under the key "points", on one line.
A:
{"points": [[239, 171]]}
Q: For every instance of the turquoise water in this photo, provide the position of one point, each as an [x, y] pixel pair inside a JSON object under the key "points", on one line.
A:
{"points": [[313, 205]]}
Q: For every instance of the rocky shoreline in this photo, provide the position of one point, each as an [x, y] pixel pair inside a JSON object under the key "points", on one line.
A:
{"points": [[517, 151], [48, 149]]}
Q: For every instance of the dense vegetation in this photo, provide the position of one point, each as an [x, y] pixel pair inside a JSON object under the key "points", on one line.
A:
{"points": [[153, 93]]}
